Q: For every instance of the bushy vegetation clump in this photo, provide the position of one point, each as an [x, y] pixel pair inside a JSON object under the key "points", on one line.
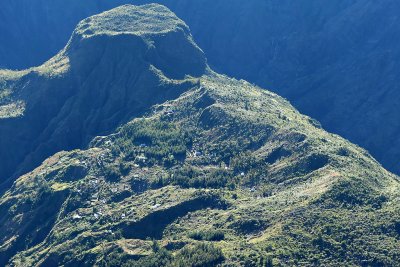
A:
{"points": [[353, 193], [210, 235], [153, 142], [199, 255]]}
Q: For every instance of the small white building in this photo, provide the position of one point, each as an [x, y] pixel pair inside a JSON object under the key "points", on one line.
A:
{"points": [[76, 216]]}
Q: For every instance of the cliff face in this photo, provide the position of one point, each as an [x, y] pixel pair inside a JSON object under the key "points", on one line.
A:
{"points": [[335, 61], [105, 76]]}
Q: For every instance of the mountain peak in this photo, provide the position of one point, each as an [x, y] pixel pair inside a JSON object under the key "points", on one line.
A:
{"points": [[149, 33], [129, 19]]}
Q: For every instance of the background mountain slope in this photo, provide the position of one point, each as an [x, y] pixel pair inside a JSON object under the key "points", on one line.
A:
{"points": [[335, 61], [218, 172]]}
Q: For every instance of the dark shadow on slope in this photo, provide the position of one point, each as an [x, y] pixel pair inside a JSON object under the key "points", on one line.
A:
{"points": [[38, 224], [311, 163], [204, 101], [277, 155], [153, 225]]}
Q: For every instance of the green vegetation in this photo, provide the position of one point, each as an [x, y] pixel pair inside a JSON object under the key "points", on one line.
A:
{"points": [[353, 193], [199, 255], [211, 235], [188, 176], [230, 193], [221, 174], [149, 142]]}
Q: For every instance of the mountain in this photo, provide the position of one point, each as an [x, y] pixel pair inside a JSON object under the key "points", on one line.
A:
{"points": [[103, 77], [193, 168], [335, 61]]}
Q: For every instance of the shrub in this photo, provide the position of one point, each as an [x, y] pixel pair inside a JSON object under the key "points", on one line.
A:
{"points": [[351, 193], [201, 255], [211, 235]]}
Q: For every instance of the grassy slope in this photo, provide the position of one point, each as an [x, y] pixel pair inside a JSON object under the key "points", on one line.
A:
{"points": [[321, 201], [226, 164]]}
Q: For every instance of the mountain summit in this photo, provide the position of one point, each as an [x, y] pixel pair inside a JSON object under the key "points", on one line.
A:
{"points": [[145, 20], [193, 168], [115, 66], [159, 37]]}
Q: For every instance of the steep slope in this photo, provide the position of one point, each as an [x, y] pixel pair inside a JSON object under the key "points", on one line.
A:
{"points": [[104, 76], [223, 173], [335, 61]]}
